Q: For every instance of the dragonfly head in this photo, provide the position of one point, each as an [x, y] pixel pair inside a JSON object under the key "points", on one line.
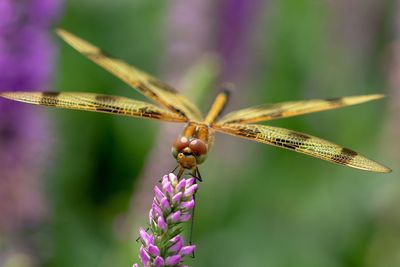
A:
{"points": [[189, 152]]}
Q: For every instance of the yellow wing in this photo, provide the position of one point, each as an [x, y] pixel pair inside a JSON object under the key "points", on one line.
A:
{"points": [[301, 143], [96, 103], [151, 87], [288, 109]]}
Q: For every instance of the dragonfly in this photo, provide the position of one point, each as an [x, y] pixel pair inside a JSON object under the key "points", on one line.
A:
{"points": [[191, 147]]}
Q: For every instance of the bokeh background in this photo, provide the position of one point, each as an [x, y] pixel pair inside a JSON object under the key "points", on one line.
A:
{"points": [[75, 186]]}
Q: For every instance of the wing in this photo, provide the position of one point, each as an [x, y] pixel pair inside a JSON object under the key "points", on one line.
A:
{"points": [[301, 143], [96, 103], [149, 86], [288, 109]]}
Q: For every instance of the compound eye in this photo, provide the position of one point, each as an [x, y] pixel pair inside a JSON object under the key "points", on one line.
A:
{"points": [[198, 147], [181, 143]]}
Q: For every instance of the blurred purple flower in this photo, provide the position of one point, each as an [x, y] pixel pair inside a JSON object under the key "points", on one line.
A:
{"points": [[171, 206], [235, 20], [26, 55]]}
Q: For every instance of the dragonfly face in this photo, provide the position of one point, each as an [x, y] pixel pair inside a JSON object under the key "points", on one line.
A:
{"points": [[191, 148]]}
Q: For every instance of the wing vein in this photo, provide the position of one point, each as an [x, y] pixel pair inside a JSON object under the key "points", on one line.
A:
{"points": [[301, 143]]}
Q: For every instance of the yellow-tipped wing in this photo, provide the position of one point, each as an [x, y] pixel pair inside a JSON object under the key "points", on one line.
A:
{"points": [[288, 109], [151, 87], [301, 143], [96, 103]]}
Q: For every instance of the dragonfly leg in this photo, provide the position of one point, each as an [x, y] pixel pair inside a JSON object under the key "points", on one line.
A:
{"points": [[180, 173], [198, 175], [173, 171]]}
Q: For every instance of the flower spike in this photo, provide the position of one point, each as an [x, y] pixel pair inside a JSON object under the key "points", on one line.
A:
{"points": [[162, 244]]}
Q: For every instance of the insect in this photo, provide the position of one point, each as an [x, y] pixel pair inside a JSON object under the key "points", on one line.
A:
{"points": [[191, 147]]}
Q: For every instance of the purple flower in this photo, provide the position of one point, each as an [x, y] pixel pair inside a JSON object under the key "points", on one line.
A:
{"points": [[162, 245], [235, 23], [173, 260], [144, 256], [158, 262], [187, 250], [26, 54], [177, 244], [174, 217], [161, 224], [153, 250], [177, 197]]}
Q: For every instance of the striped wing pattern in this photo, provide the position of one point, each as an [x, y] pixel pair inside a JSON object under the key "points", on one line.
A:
{"points": [[288, 109], [96, 103], [181, 109], [301, 143], [149, 86]]}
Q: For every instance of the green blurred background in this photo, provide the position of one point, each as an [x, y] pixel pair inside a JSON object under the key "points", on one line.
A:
{"points": [[258, 205]]}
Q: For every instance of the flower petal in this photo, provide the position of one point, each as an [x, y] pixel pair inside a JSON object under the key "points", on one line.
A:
{"points": [[177, 243], [165, 204], [161, 223], [175, 239], [144, 257], [167, 187], [173, 179], [181, 185], [153, 250], [156, 210], [191, 190], [188, 205], [173, 260], [157, 192], [189, 181], [151, 217], [177, 198], [174, 217], [165, 179], [158, 262], [148, 239], [187, 250]]}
